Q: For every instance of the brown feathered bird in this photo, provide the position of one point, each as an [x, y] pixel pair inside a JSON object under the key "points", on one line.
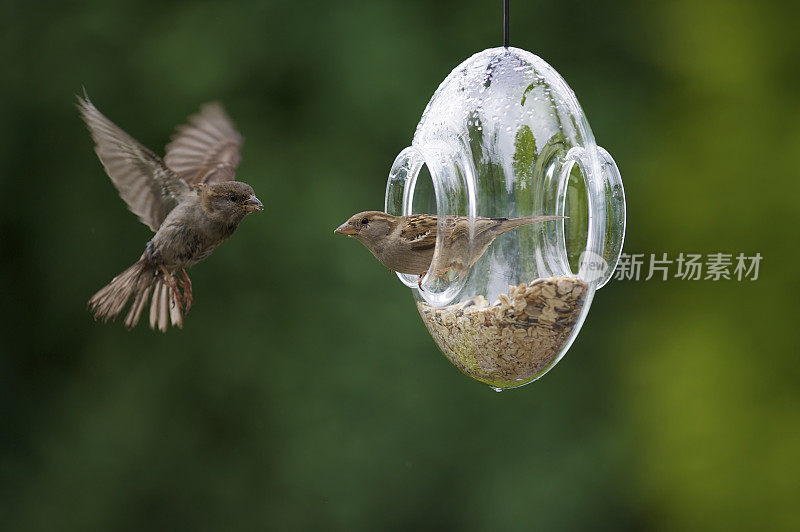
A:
{"points": [[190, 199], [406, 244]]}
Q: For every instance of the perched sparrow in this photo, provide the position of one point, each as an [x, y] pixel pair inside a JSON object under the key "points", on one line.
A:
{"points": [[406, 243], [189, 198]]}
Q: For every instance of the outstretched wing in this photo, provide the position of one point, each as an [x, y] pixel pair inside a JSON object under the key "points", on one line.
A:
{"points": [[149, 188], [206, 150]]}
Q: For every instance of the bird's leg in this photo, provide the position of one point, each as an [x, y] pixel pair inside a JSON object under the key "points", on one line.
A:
{"points": [[187, 289], [169, 280], [420, 279]]}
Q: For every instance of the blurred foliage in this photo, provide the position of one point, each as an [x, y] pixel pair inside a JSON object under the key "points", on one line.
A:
{"points": [[295, 397]]}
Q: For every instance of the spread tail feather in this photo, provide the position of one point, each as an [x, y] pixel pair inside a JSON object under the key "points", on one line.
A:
{"points": [[137, 282], [164, 308]]}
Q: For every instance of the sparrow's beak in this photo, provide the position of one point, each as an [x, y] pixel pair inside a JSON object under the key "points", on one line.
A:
{"points": [[252, 204], [345, 229]]}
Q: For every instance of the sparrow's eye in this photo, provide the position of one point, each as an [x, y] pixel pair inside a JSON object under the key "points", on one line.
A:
{"points": [[364, 221], [233, 197]]}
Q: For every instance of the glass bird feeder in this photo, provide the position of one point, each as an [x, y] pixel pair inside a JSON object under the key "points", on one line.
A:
{"points": [[504, 136]]}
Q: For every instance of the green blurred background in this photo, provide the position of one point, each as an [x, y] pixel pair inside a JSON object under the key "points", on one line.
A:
{"points": [[304, 391]]}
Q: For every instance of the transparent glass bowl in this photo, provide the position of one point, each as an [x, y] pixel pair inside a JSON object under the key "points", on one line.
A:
{"points": [[504, 136]]}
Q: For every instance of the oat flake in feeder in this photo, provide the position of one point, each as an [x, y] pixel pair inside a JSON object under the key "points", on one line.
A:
{"points": [[504, 136]]}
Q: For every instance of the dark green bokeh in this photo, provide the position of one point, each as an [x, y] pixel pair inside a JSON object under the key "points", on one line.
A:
{"points": [[304, 391]]}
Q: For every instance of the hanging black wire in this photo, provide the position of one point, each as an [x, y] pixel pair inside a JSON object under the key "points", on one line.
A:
{"points": [[506, 22]]}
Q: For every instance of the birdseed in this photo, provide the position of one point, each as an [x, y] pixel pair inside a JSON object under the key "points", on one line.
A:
{"points": [[514, 340]]}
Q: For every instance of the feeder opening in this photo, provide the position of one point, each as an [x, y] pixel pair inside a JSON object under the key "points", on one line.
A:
{"points": [[576, 227]]}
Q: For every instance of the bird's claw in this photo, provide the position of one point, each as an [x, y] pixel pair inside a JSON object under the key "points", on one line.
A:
{"points": [[186, 283], [169, 280]]}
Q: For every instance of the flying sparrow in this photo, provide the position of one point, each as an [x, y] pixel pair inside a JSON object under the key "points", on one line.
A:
{"points": [[190, 199], [406, 243]]}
